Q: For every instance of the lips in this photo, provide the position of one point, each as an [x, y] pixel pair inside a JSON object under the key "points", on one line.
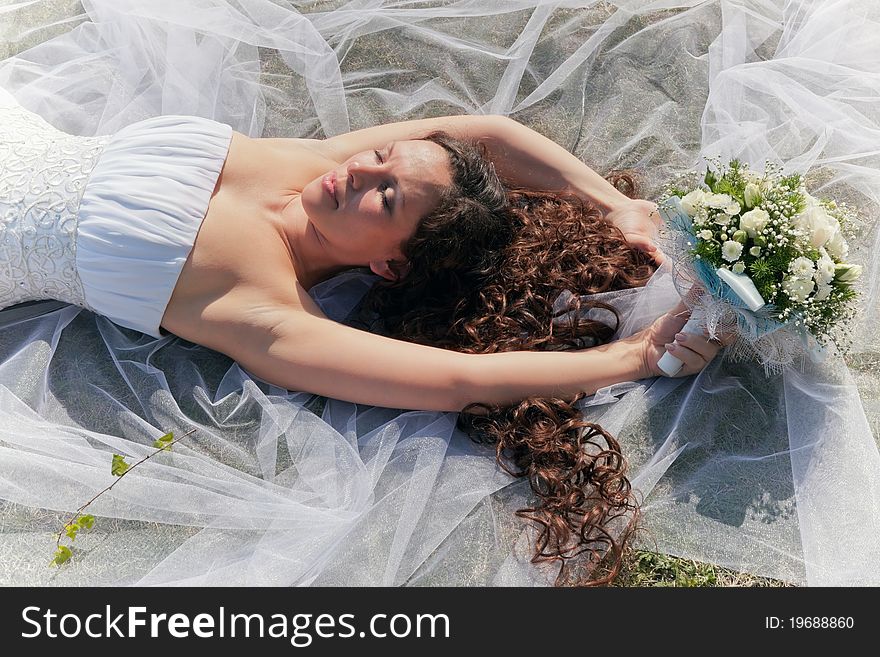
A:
{"points": [[328, 182]]}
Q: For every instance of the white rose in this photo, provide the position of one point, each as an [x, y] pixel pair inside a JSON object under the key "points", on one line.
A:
{"points": [[822, 292], [690, 201], [738, 268], [752, 194], [718, 201], [837, 247], [824, 227], [722, 219], [754, 221], [797, 289], [848, 273], [705, 235], [819, 225], [755, 251], [802, 267], [824, 269], [731, 250]]}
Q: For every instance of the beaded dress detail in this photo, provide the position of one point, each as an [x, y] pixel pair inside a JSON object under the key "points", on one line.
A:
{"points": [[105, 223], [43, 173]]}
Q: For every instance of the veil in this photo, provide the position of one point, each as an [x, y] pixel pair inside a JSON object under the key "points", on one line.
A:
{"points": [[779, 476]]}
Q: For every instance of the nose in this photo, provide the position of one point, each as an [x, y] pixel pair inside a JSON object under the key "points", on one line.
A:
{"points": [[360, 174]]}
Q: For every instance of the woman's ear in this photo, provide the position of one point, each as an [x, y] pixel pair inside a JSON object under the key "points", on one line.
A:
{"points": [[384, 269]]}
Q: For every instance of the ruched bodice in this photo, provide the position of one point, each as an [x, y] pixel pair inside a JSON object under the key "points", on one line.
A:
{"points": [[107, 222]]}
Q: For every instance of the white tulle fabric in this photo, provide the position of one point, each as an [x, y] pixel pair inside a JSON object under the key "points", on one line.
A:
{"points": [[140, 212], [776, 476]]}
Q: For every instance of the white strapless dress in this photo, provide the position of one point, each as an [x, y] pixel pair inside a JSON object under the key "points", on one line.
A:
{"points": [[105, 223]]}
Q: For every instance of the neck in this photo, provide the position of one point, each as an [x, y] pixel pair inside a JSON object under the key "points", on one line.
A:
{"points": [[311, 260]]}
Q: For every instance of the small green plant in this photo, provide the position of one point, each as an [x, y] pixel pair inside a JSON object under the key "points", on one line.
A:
{"points": [[119, 467]]}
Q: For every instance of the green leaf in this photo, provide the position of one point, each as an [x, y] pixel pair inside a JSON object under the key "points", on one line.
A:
{"points": [[165, 441], [791, 181], [86, 521], [62, 554], [119, 466], [724, 187], [71, 529], [710, 179]]}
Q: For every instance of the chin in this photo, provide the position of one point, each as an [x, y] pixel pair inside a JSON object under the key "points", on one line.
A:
{"points": [[311, 198]]}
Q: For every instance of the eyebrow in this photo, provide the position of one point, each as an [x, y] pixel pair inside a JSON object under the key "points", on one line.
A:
{"points": [[399, 188]]}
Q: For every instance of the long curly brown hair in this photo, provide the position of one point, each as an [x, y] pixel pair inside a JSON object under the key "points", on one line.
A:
{"points": [[485, 270]]}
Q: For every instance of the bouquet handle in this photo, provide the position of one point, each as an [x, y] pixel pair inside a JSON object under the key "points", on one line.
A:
{"points": [[742, 286], [669, 363]]}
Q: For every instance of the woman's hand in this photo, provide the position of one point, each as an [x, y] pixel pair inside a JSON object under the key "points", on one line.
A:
{"points": [[639, 221], [695, 351]]}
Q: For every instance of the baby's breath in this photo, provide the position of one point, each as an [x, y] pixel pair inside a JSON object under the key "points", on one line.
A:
{"points": [[784, 224]]}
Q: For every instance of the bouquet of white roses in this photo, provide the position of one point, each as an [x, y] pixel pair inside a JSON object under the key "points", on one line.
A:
{"points": [[765, 260]]}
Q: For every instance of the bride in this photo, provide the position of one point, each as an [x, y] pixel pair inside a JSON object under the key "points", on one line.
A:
{"points": [[400, 498], [287, 214], [405, 200]]}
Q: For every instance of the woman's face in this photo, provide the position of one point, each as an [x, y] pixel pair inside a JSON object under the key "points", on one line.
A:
{"points": [[365, 209]]}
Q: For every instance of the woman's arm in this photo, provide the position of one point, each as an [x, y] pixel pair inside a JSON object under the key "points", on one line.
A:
{"points": [[303, 352], [522, 157], [301, 349]]}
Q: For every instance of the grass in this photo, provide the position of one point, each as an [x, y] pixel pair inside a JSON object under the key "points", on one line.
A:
{"points": [[644, 568]]}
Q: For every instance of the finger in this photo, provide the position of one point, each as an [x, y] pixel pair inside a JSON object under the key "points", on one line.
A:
{"points": [[639, 241], [699, 344], [691, 360], [671, 322], [645, 244], [659, 256]]}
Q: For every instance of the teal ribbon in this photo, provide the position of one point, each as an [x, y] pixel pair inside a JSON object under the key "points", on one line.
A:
{"points": [[755, 323]]}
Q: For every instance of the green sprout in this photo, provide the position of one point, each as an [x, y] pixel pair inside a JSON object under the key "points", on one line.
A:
{"points": [[119, 467]]}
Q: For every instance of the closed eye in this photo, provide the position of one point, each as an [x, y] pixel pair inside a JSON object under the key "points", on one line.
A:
{"points": [[384, 186]]}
